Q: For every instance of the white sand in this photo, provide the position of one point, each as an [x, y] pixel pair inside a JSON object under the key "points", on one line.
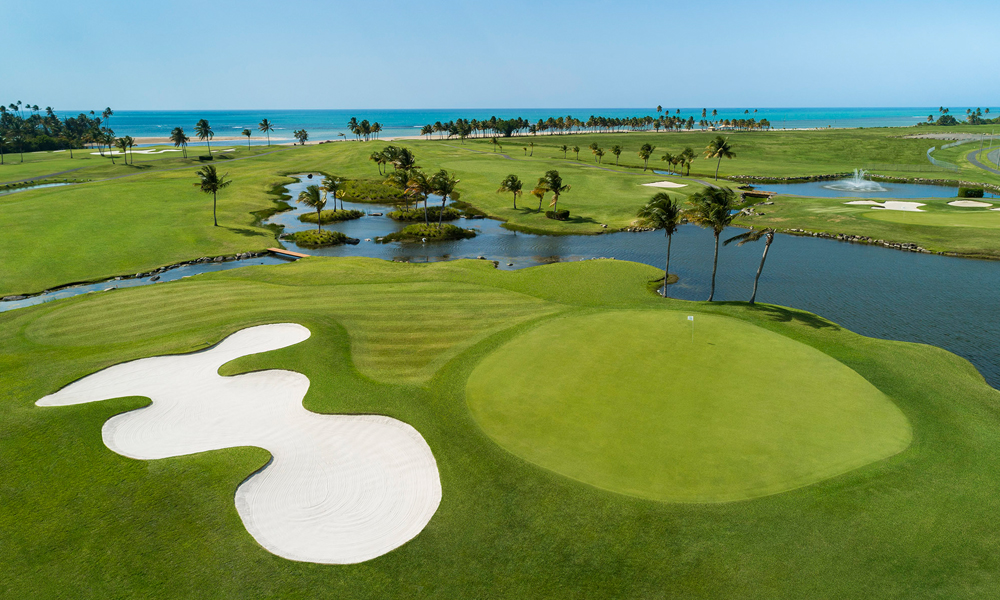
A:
{"points": [[150, 151], [341, 489], [890, 205], [665, 184], [969, 204]]}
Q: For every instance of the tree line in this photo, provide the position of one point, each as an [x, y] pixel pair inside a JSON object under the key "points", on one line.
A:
{"points": [[28, 128]]}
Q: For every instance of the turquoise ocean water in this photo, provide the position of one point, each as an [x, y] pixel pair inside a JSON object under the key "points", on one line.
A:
{"points": [[328, 124]]}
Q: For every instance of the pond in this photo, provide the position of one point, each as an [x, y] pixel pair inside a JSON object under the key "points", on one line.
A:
{"points": [[4, 192], [836, 189]]}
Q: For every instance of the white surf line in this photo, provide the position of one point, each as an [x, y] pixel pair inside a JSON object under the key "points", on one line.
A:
{"points": [[891, 205], [341, 489], [665, 184], [969, 204]]}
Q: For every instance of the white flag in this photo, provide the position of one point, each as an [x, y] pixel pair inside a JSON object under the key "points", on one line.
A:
{"points": [[690, 317]]}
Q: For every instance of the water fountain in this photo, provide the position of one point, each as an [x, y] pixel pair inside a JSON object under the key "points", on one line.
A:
{"points": [[858, 183]]}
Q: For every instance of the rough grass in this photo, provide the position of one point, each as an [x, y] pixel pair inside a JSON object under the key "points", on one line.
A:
{"points": [[431, 232], [332, 216], [79, 521]]}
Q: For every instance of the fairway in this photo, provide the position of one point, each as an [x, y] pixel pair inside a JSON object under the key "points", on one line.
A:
{"points": [[628, 402], [955, 217]]}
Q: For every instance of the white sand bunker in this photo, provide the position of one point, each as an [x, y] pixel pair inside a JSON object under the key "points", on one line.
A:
{"points": [[340, 489], [891, 205], [970, 204], [665, 184]]}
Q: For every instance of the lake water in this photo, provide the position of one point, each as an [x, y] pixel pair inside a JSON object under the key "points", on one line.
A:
{"points": [[823, 189]]}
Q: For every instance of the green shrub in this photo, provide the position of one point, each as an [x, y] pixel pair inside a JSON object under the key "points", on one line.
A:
{"points": [[970, 192], [318, 238], [367, 190], [419, 231], [417, 214], [332, 216], [560, 215]]}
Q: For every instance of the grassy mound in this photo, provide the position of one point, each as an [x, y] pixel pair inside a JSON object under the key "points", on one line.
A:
{"points": [[417, 214], [735, 413], [402, 340], [367, 190], [432, 233], [316, 239], [332, 216]]}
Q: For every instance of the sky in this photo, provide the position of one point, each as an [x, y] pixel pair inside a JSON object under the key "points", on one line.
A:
{"points": [[303, 54]]}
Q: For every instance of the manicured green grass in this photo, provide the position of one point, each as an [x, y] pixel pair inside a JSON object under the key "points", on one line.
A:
{"points": [[80, 521], [153, 215], [431, 232], [938, 227], [730, 412]]}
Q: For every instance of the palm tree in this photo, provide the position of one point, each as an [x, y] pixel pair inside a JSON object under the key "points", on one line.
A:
{"points": [[688, 156], [246, 132], [210, 182], [301, 135], [719, 148], [552, 182], [661, 212], [564, 149], [667, 158], [419, 186], [180, 140], [444, 184], [109, 141], [511, 184], [576, 150], [617, 151], [122, 144], [599, 153], [130, 143], [332, 186], [644, 153], [379, 159], [531, 145], [713, 207], [266, 128], [311, 197], [204, 132], [539, 193], [752, 236]]}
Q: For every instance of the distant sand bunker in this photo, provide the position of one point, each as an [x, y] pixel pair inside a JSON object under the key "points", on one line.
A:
{"points": [[891, 205], [665, 184], [969, 204], [340, 489]]}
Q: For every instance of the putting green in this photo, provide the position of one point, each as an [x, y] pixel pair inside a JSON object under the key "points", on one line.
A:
{"points": [[955, 217], [625, 401]]}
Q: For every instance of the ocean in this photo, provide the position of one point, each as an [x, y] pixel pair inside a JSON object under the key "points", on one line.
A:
{"points": [[330, 124]]}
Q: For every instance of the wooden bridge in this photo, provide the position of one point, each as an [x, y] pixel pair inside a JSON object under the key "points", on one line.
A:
{"points": [[288, 253]]}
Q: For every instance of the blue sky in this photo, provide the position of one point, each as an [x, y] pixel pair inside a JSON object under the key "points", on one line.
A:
{"points": [[209, 54]]}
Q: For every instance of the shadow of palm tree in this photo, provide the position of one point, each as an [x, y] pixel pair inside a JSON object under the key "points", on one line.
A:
{"points": [[786, 315], [246, 232]]}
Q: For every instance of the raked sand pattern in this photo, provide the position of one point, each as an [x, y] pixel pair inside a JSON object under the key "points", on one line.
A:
{"points": [[340, 489]]}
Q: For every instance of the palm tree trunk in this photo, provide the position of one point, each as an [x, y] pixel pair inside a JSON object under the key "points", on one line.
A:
{"points": [[209, 144], [767, 244], [268, 138], [717, 165], [214, 216], [515, 201], [441, 214], [319, 217], [426, 220], [715, 264], [666, 269]]}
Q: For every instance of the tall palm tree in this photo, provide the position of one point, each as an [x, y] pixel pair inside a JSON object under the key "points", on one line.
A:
{"points": [[266, 128], [332, 186], [752, 236], [539, 193], [661, 212], [210, 182], [531, 145], [688, 156], [667, 158], [552, 182], [713, 208], [599, 153], [311, 197], [644, 153], [719, 148], [564, 149], [511, 184], [576, 150], [130, 143], [246, 132], [204, 132], [617, 151], [419, 187], [109, 141], [444, 184], [378, 158], [122, 144], [178, 137]]}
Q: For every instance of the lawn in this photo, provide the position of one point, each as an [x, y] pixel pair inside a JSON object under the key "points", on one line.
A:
{"points": [[78, 520]]}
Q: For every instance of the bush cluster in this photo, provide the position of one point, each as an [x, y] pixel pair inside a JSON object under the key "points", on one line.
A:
{"points": [[417, 214], [559, 215], [366, 190], [970, 192], [419, 231], [332, 216], [318, 238]]}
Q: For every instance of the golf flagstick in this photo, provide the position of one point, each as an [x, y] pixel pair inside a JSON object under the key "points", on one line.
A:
{"points": [[691, 318]]}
